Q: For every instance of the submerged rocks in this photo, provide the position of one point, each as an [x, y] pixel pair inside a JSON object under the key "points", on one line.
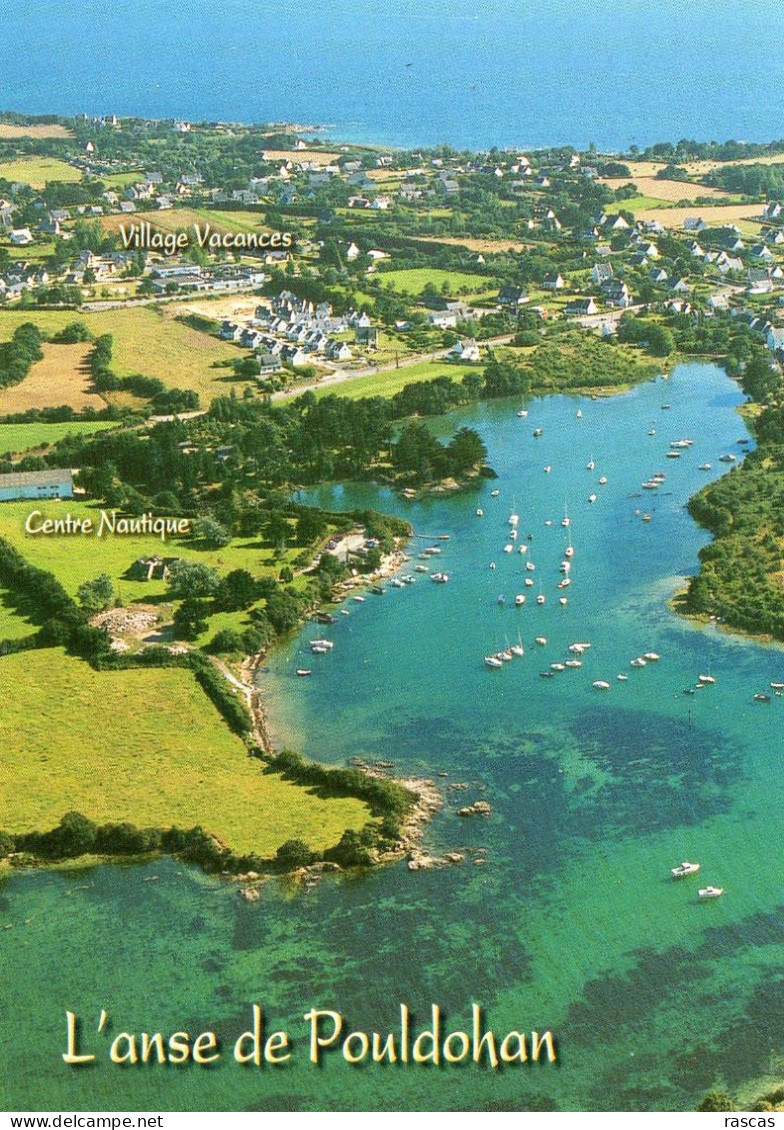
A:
{"points": [[478, 808]]}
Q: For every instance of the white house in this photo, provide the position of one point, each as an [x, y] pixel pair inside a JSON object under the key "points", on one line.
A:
{"points": [[465, 351]]}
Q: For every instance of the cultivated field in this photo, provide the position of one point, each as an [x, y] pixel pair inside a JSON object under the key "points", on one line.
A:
{"points": [[147, 341], [479, 245], [146, 747], [297, 156], [8, 132], [714, 216], [62, 377], [177, 219], [36, 171], [667, 190], [16, 438]]}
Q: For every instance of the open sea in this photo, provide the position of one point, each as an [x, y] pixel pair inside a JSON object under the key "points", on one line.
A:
{"points": [[574, 924], [471, 73]]}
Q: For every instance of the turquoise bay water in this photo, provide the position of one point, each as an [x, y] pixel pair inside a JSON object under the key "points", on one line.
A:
{"points": [[574, 925]]}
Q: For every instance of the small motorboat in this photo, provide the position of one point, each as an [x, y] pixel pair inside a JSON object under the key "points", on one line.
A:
{"points": [[522, 413], [638, 662], [727, 458], [601, 685], [547, 674], [439, 578], [592, 498], [537, 433], [541, 640], [705, 467], [761, 697], [710, 892], [573, 663], [303, 672], [563, 601], [480, 513], [494, 493], [359, 599], [706, 680], [326, 644], [623, 678], [519, 599], [540, 598], [684, 869], [651, 656]]}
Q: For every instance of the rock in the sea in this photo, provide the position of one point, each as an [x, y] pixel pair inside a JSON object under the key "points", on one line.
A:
{"points": [[478, 808]]}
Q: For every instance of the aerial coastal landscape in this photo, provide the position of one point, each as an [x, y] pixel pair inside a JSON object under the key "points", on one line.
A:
{"points": [[391, 606]]}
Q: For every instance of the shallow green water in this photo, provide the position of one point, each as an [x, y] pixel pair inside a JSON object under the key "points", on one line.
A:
{"points": [[574, 925]]}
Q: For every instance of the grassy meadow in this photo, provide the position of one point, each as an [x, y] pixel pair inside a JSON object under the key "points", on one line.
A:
{"points": [[413, 280], [36, 171], [17, 438], [147, 747], [76, 559], [391, 381]]}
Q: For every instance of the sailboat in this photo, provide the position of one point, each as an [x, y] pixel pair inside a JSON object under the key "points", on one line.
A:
{"points": [[590, 465], [518, 648], [565, 521], [569, 551]]}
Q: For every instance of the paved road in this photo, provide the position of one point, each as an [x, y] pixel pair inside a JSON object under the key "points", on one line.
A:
{"points": [[340, 376]]}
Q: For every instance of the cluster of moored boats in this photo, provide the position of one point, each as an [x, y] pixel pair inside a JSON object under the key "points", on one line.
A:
{"points": [[686, 868]]}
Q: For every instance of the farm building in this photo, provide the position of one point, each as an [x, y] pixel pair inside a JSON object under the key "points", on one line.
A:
{"points": [[57, 483]]}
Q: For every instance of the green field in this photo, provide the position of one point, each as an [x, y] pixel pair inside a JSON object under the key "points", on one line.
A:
{"points": [[414, 280], [641, 203], [392, 380], [76, 559], [13, 626], [17, 438], [146, 341], [146, 747], [36, 171]]}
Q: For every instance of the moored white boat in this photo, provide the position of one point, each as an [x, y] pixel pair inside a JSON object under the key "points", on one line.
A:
{"points": [[683, 869], [710, 892], [600, 685], [491, 661], [541, 640]]}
